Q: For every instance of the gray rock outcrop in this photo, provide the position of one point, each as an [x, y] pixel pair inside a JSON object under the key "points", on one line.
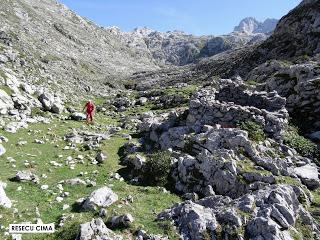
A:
{"points": [[51, 103], [143, 235], [192, 219], [76, 116], [96, 230], [89, 140], [101, 157], [234, 103], [251, 25], [6, 102], [4, 200], [264, 214], [309, 175], [210, 151], [124, 220], [298, 83], [26, 175], [102, 197]]}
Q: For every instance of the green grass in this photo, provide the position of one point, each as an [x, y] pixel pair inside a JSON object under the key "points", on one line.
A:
{"points": [[295, 234], [254, 130], [131, 111], [147, 200], [251, 82], [3, 75], [305, 231], [247, 165], [303, 145], [315, 206], [187, 90], [7, 89], [288, 180]]}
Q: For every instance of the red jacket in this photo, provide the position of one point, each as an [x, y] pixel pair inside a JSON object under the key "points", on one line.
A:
{"points": [[89, 107]]}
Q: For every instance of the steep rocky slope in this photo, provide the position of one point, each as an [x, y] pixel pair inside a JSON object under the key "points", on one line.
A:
{"points": [[297, 33], [295, 36], [50, 45]]}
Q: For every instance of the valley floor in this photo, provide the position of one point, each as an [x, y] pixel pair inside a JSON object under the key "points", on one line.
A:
{"points": [[42, 148], [147, 201]]}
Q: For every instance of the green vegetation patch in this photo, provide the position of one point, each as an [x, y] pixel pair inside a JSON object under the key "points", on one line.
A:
{"points": [[303, 145], [158, 168], [186, 91], [247, 165], [304, 230], [251, 82], [254, 130], [7, 89], [3, 75]]}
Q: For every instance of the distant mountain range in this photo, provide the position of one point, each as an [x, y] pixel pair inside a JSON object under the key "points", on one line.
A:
{"points": [[179, 48]]}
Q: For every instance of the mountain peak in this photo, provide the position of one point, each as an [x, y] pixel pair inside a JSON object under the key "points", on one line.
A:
{"points": [[247, 25], [250, 25]]}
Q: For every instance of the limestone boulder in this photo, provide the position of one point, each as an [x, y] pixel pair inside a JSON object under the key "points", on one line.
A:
{"points": [[102, 197]]}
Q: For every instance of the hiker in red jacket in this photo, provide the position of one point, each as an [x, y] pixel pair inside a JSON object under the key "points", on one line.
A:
{"points": [[89, 111]]}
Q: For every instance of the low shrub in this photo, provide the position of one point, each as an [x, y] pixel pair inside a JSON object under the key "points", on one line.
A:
{"points": [[304, 146], [158, 168], [129, 84], [35, 111], [254, 130]]}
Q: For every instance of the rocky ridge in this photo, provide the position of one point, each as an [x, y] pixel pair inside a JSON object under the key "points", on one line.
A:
{"points": [[212, 157], [179, 48]]}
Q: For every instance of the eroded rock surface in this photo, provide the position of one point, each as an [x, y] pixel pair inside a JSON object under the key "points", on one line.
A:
{"points": [[268, 213], [102, 197], [96, 230]]}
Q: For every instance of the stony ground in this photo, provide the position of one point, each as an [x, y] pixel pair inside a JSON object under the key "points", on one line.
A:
{"points": [[42, 149], [27, 197]]}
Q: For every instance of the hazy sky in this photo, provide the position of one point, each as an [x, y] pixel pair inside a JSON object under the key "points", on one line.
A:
{"points": [[192, 16]]}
